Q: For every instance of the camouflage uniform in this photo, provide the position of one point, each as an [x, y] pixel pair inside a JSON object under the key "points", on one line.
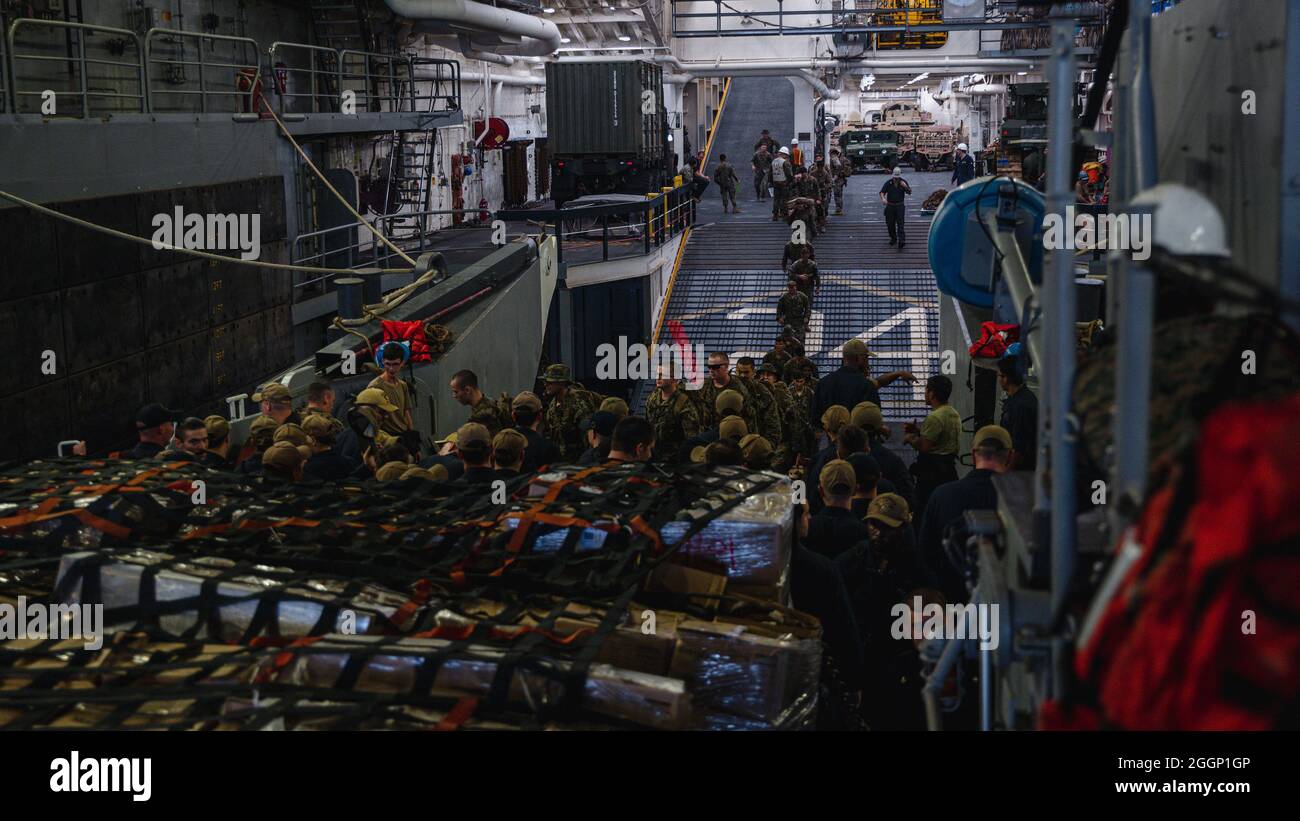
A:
{"points": [[796, 311], [803, 441], [808, 189], [825, 183], [707, 396], [841, 169], [783, 456], [806, 278], [564, 415], [674, 420], [488, 414], [766, 411], [777, 358]]}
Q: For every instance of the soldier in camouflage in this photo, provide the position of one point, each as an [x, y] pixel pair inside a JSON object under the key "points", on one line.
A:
{"points": [[794, 310], [841, 170], [673, 416], [320, 402], [720, 379], [766, 410], [805, 196], [769, 376], [825, 183], [564, 415], [800, 366], [779, 355], [803, 441], [465, 390]]}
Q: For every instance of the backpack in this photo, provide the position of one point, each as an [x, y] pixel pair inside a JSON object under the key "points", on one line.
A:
{"points": [[779, 169]]}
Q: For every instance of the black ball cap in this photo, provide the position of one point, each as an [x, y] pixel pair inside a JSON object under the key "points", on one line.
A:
{"points": [[153, 415], [602, 422]]}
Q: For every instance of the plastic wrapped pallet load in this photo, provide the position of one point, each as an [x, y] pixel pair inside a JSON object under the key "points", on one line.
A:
{"points": [[223, 599], [750, 543]]}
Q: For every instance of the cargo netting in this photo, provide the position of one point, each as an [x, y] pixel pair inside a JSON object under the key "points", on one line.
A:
{"points": [[587, 597]]}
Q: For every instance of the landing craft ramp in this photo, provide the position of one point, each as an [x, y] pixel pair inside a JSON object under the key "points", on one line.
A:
{"points": [[725, 292]]}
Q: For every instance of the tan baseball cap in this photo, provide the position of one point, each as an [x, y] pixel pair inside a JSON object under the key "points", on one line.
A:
{"points": [[698, 452], [273, 392], [615, 406], [733, 427], [856, 347], [728, 401], [319, 427], [436, 473], [284, 455], [262, 423], [527, 399], [377, 398], [838, 478], [889, 508], [472, 432], [755, 447], [992, 432], [509, 445], [392, 471], [835, 417], [289, 432], [218, 427], [867, 416]]}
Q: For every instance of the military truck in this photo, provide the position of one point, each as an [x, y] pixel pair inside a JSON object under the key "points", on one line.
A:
{"points": [[921, 142], [871, 149]]}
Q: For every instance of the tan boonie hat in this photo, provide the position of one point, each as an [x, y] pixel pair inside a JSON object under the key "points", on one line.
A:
{"points": [[319, 427], [289, 432], [472, 432], [392, 471], [754, 447], [728, 401], [990, 432], [835, 417], [437, 473], [867, 416], [218, 427], [509, 445], [838, 478], [733, 427], [889, 508], [273, 392], [615, 406], [283, 455], [527, 399], [856, 347], [377, 398]]}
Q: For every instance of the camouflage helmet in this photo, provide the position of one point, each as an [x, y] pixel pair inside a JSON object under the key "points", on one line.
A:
{"points": [[559, 372]]}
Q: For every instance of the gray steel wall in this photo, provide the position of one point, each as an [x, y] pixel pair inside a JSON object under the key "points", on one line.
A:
{"points": [[128, 324], [1248, 164]]}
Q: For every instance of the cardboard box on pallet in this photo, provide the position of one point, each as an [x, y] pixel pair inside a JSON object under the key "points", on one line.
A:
{"points": [[297, 613]]}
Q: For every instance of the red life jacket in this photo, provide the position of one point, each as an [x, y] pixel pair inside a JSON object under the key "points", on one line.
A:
{"points": [[411, 332], [1204, 631], [994, 339]]}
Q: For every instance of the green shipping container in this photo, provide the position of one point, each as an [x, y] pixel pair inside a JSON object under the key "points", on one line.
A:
{"points": [[605, 109]]}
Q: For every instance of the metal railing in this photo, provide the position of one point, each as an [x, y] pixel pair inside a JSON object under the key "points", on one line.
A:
{"points": [[321, 82], [335, 248], [377, 79], [645, 225], [169, 71], [79, 67], [236, 83]]}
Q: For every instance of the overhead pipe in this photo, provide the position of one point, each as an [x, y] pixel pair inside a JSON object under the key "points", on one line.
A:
{"points": [[537, 36], [820, 87], [508, 79]]}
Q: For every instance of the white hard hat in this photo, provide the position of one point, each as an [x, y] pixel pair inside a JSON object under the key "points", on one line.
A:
{"points": [[1184, 221], [898, 172], [962, 147], [795, 141], [785, 150]]}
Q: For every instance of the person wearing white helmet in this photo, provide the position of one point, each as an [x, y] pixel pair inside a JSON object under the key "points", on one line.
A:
{"points": [[796, 153], [782, 176], [963, 165]]}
